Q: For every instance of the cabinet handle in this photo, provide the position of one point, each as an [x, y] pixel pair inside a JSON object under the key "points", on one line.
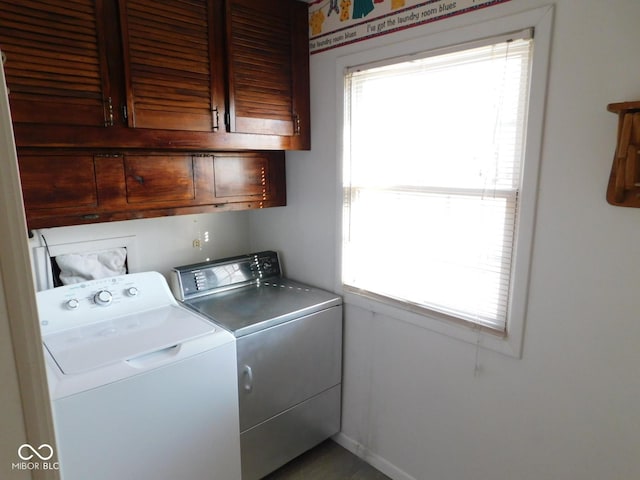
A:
{"points": [[138, 179], [216, 118], [247, 374], [109, 120], [296, 121]]}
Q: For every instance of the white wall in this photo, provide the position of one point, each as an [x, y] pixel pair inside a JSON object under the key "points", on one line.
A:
{"points": [[570, 407], [166, 242]]}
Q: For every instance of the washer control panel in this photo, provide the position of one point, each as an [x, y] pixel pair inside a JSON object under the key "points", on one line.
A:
{"points": [[98, 300]]}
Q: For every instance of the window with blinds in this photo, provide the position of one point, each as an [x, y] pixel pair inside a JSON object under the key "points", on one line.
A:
{"points": [[433, 156]]}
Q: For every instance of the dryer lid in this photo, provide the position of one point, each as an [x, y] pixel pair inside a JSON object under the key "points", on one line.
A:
{"points": [[252, 308], [80, 350]]}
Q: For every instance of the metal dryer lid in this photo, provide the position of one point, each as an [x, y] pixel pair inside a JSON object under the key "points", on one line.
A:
{"points": [[255, 307]]}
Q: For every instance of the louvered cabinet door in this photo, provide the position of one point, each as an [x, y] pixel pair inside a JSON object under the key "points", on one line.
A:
{"points": [[173, 73], [56, 66], [268, 66]]}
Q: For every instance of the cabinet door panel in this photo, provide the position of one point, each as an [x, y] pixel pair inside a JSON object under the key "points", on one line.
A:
{"points": [[170, 75], [259, 36], [56, 63], [53, 182], [240, 177], [159, 178]]}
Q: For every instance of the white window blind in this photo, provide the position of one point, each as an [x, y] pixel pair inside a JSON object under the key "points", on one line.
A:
{"points": [[433, 153]]}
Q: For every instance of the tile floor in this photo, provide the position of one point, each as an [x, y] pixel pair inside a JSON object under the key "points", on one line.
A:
{"points": [[327, 461]]}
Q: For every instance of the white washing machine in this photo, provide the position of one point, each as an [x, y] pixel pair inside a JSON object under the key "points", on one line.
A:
{"points": [[141, 387]]}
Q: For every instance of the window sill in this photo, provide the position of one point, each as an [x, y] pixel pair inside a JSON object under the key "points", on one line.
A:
{"points": [[509, 344]]}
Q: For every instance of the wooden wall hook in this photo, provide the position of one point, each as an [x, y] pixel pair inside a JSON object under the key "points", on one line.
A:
{"points": [[624, 182]]}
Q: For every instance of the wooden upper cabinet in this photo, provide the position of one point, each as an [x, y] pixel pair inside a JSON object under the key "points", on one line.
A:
{"points": [[172, 64], [56, 65], [147, 74], [71, 187], [268, 66]]}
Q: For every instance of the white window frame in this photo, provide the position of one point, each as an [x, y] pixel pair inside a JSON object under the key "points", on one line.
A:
{"points": [[540, 20]]}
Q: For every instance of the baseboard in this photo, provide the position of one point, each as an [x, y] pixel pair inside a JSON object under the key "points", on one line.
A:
{"points": [[375, 460]]}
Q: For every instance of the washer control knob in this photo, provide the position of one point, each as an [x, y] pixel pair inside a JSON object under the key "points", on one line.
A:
{"points": [[103, 297], [132, 291], [72, 304]]}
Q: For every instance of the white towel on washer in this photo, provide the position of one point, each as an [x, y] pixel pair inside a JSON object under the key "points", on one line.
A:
{"points": [[79, 267]]}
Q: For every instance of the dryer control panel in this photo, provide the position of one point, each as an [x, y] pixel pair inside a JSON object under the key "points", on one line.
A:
{"points": [[198, 279]]}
